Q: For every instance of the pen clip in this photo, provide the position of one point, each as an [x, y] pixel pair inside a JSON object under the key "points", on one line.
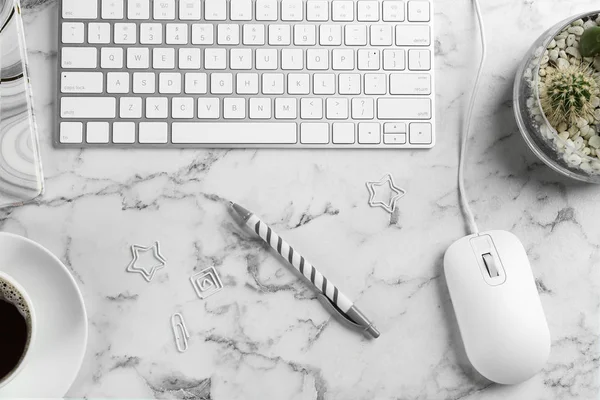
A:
{"points": [[339, 314]]}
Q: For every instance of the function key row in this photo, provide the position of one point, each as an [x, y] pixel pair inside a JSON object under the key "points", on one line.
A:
{"points": [[248, 10]]}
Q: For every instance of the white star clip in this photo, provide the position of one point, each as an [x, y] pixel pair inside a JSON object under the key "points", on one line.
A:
{"points": [[391, 205], [148, 275]]}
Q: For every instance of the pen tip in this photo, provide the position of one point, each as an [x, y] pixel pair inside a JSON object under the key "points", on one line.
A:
{"points": [[373, 332]]}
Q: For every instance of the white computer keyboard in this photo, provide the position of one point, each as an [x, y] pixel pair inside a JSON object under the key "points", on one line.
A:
{"points": [[246, 73]]}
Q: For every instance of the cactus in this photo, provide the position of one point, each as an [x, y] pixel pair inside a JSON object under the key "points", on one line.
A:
{"points": [[568, 94], [589, 45]]}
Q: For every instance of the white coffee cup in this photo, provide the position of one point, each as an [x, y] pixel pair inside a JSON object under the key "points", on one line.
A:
{"points": [[8, 281]]}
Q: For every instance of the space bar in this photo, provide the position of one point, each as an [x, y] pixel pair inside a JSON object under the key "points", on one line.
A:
{"points": [[234, 132]]}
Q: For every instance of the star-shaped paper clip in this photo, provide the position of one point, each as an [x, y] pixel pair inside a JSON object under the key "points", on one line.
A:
{"points": [[391, 205], [148, 275]]}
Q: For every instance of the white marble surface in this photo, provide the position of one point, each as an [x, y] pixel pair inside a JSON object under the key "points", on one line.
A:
{"points": [[265, 336]]}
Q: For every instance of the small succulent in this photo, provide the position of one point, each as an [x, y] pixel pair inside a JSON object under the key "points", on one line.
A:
{"points": [[589, 46], [568, 94]]}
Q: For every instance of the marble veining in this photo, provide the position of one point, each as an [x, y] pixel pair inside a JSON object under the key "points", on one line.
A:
{"points": [[264, 336]]}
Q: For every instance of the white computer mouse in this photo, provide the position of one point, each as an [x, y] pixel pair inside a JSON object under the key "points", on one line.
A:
{"points": [[497, 305]]}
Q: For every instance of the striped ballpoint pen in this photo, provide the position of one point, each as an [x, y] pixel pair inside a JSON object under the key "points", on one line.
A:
{"points": [[330, 296]]}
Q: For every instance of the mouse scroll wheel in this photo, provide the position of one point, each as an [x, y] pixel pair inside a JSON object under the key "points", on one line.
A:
{"points": [[490, 264]]}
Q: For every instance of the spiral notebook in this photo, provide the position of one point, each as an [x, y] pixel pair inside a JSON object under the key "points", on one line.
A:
{"points": [[21, 178]]}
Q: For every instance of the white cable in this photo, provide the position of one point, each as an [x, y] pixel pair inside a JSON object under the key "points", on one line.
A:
{"points": [[465, 137]]}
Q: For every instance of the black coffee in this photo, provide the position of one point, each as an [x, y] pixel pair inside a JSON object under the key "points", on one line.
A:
{"points": [[13, 337]]}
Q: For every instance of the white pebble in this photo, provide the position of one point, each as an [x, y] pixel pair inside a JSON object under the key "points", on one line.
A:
{"points": [[586, 151], [589, 24], [594, 142], [562, 127], [562, 63], [578, 22], [595, 101], [553, 55], [564, 135], [597, 114], [577, 30], [581, 122], [560, 43], [552, 44], [574, 52], [574, 159], [578, 143], [585, 166], [570, 40]]}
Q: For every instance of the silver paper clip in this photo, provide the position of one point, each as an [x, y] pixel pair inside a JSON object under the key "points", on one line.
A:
{"points": [[180, 332]]}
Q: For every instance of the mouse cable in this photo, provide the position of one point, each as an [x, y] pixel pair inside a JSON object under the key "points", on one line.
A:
{"points": [[465, 136]]}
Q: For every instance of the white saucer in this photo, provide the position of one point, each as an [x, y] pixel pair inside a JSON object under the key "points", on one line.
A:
{"points": [[61, 337]]}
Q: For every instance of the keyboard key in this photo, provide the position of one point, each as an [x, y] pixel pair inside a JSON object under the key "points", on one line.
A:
{"points": [[286, 108], [349, 84], [208, 108], [202, 34], [343, 11], [196, 83], [125, 34], [234, 108], [330, 35], [228, 34], [343, 59], [369, 133], [124, 132], [356, 35], [112, 9], [420, 133], [311, 108], [169, 83], [266, 10], [73, 32], [163, 58], [241, 10], [99, 33], [394, 127], [130, 107], [363, 108], [266, 59], [215, 58], [410, 84], [317, 59], [247, 83], [393, 11], [88, 107], [291, 10], [298, 83], [190, 58], [343, 133], [368, 11], [409, 108], [138, 9], [189, 10], [79, 57], [337, 108], [381, 35], [254, 35], [234, 132], [272, 84], [144, 82], [151, 34], [324, 84], [412, 35], [117, 82], [393, 138], [317, 10], [241, 59], [138, 58], [279, 35], [368, 60], [260, 108], [305, 35], [157, 107], [80, 9], [164, 9], [419, 60], [97, 132], [314, 133], [182, 107], [177, 34], [393, 60], [215, 10], [71, 132], [111, 57], [221, 83], [153, 132], [418, 11], [375, 84], [292, 59]]}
